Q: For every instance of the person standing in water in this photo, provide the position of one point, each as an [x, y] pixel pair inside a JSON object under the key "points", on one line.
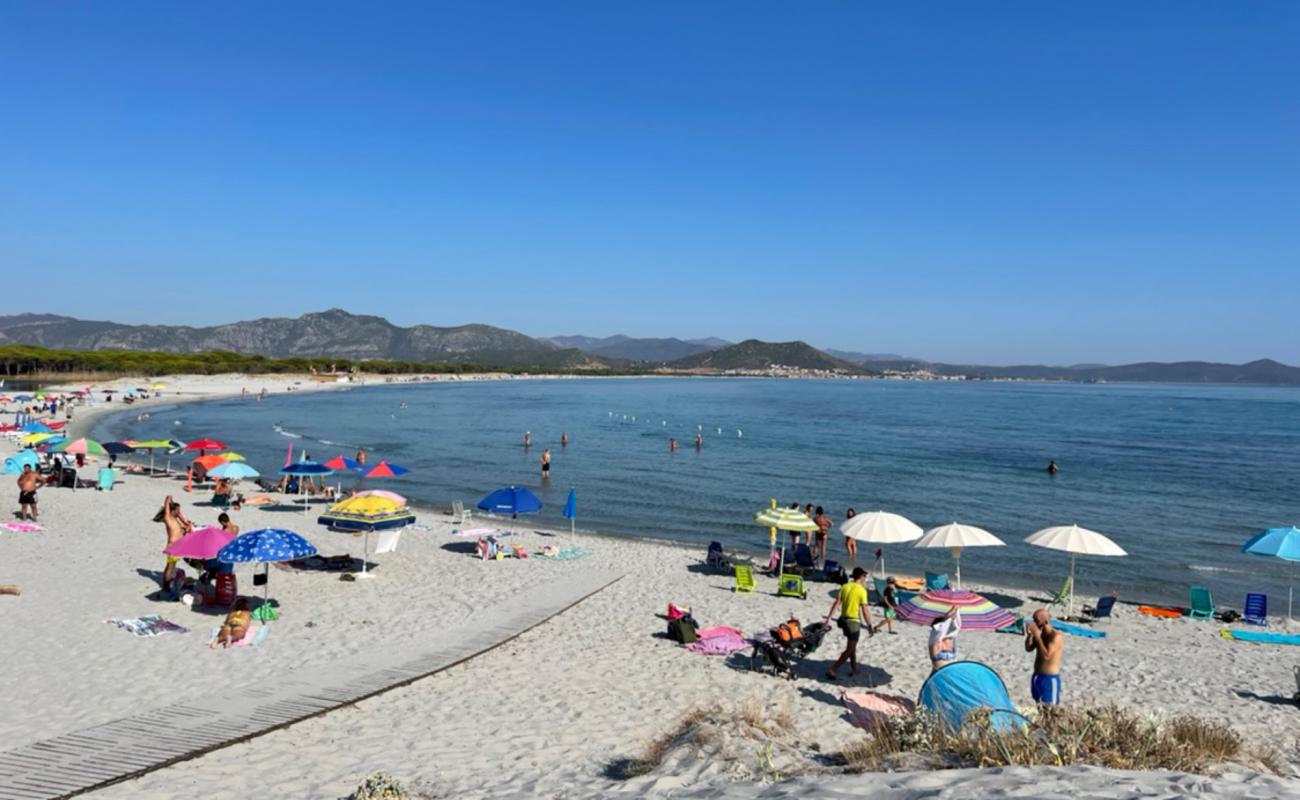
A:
{"points": [[528, 439], [851, 544], [564, 439], [672, 445], [546, 463], [1052, 469], [699, 441]]}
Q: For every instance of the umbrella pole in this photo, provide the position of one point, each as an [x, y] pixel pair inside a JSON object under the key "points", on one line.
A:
{"points": [[1069, 609], [1290, 594], [957, 556], [266, 593], [365, 553]]}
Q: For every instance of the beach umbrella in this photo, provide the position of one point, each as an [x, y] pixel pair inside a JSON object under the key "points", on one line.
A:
{"points": [[38, 438], [512, 500], [338, 463], [394, 496], [85, 447], [232, 456], [205, 444], [204, 543], [1077, 542], [1283, 543], [306, 469], [977, 613], [366, 514], [152, 445], [383, 469], [36, 427], [881, 527], [956, 536], [783, 519], [118, 448], [570, 512], [266, 545], [233, 471]]}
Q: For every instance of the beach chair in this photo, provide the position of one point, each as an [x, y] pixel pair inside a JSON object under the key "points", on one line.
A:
{"points": [[458, 513], [792, 586], [107, 477], [1062, 597], [935, 580], [715, 558], [1103, 609], [1202, 603], [1256, 611], [803, 557], [744, 578]]}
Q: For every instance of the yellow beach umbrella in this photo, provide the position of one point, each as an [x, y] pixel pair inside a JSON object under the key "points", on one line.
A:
{"points": [[37, 438], [231, 456]]}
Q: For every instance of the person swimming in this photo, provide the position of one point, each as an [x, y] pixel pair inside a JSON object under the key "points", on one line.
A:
{"points": [[1052, 469]]}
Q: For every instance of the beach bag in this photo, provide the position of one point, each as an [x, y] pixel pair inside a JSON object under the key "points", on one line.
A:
{"points": [[788, 631], [682, 630]]}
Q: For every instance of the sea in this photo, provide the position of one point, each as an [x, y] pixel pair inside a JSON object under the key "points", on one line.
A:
{"points": [[1178, 475]]}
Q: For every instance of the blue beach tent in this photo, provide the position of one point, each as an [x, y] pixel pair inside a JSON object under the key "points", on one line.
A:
{"points": [[14, 464], [953, 691]]}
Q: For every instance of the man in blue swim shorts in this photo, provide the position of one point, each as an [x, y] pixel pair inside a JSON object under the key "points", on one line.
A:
{"points": [[1047, 644]]}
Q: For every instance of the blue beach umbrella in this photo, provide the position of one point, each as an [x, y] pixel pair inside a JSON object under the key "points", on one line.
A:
{"points": [[570, 511], [37, 427], [265, 546], [1283, 543], [306, 469], [512, 500]]}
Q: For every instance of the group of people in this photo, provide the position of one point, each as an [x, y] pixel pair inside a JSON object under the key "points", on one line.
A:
{"points": [[176, 525], [1044, 641], [816, 540]]}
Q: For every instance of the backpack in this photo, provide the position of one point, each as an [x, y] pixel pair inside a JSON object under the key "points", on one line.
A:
{"points": [[682, 630], [788, 631]]}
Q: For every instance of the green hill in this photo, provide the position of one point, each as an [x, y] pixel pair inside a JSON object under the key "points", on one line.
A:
{"points": [[754, 355]]}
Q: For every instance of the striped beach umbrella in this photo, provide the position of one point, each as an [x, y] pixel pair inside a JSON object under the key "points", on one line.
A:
{"points": [[85, 447], [785, 519], [977, 613]]}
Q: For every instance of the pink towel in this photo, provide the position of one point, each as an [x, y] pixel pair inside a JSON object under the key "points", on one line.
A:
{"points": [[867, 710], [719, 630], [727, 641]]}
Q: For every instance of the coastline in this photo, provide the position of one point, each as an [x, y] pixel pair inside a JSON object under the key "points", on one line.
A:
{"points": [[547, 714]]}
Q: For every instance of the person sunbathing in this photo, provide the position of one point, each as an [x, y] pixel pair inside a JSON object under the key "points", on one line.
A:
{"points": [[235, 626]]}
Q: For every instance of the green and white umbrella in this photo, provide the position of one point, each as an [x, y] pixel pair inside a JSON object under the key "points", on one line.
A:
{"points": [[784, 519]]}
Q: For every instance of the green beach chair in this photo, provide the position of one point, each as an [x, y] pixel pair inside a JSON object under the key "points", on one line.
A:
{"points": [[744, 578], [1202, 603], [792, 586], [1062, 597]]}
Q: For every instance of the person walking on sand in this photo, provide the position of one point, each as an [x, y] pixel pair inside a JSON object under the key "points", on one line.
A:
{"points": [[854, 614], [890, 601], [1047, 645], [546, 463], [943, 639], [28, 482]]}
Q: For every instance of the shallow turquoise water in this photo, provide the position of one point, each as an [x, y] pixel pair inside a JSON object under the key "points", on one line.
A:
{"points": [[1177, 475]]}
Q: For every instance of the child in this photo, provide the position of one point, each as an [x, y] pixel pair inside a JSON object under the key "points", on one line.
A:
{"points": [[236, 625], [943, 639], [890, 601]]}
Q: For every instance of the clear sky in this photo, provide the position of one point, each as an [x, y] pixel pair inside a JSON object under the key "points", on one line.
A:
{"points": [[985, 182]]}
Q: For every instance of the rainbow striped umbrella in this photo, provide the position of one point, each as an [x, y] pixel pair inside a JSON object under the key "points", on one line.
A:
{"points": [[977, 613]]}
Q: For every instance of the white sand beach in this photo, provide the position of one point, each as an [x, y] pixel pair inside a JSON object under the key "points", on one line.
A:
{"points": [[547, 713]]}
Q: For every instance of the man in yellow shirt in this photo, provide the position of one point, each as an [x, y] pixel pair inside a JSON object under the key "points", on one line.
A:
{"points": [[854, 614]]}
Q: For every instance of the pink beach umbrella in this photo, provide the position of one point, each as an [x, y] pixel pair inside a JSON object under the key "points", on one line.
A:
{"points": [[203, 543], [387, 495]]}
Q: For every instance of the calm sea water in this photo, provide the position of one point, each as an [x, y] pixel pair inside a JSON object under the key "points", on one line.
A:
{"points": [[1179, 476]]}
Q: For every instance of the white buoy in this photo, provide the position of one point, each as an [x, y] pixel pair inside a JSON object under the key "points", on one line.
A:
{"points": [[739, 433], [719, 431]]}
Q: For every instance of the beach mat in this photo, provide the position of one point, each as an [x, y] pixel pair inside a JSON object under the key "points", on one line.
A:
{"points": [[255, 635], [149, 625], [1075, 630], [870, 710], [1261, 637], [1155, 611], [23, 527]]}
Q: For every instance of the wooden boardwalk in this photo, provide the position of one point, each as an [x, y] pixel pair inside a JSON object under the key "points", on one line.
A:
{"points": [[92, 758]]}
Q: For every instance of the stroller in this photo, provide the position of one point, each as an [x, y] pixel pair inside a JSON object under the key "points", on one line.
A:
{"points": [[780, 648]]}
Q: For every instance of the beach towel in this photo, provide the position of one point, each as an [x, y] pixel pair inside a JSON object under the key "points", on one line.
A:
{"points": [[23, 527], [567, 554], [255, 635], [149, 625], [1075, 630], [718, 641], [1153, 611], [869, 710], [1262, 637]]}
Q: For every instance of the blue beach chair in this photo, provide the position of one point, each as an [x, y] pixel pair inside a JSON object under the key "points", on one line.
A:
{"points": [[1102, 610], [935, 580], [803, 557], [1256, 611]]}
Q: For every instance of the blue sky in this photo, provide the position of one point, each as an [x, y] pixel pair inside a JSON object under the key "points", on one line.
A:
{"points": [[989, 181]]}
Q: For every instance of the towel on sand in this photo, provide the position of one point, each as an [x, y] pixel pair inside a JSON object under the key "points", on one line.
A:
{"points": [[1075, 630], [23, 527], [868, 710], [254, 636], [149, 625], [718, 641]]}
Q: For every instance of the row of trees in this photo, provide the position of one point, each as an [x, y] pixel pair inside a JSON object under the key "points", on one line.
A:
{"points": [[25, 360]]}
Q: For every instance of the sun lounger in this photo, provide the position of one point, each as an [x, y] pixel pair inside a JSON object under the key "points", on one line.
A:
{"points": [[1256, 611], [1103, 609], [744, 578], [1063, 596], [1202, 603]]}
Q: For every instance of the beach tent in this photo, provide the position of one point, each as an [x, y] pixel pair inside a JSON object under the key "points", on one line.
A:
{"points": [[954, 691], [14, 464]]}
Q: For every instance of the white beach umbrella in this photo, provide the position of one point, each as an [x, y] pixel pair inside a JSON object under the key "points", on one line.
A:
{"points": [[881, 527], [957, 536], [1077, 542]]}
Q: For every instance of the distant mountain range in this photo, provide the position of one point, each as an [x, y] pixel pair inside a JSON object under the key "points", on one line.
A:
{"points": [[654, 350], [338, 334]]}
